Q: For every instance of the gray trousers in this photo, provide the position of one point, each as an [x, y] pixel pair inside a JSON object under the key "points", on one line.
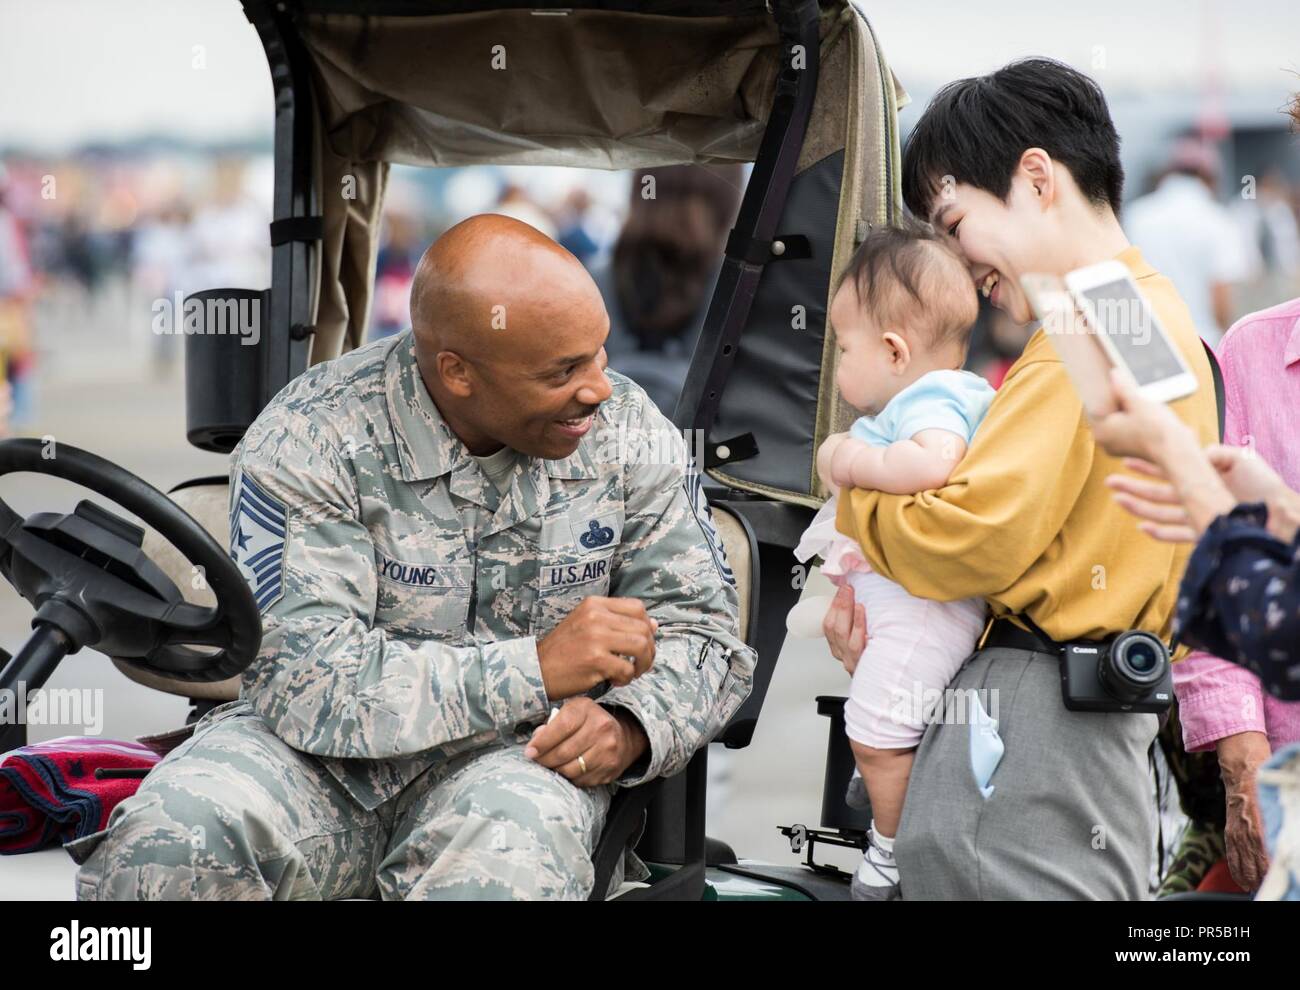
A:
{"points": [[1072, 813], [234, 813]]}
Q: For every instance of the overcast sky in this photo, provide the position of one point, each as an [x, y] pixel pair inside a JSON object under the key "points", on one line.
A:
{"points": [[78, 70]]}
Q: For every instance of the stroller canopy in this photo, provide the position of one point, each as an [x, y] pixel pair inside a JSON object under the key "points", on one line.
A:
{"points": [[608, 84]]}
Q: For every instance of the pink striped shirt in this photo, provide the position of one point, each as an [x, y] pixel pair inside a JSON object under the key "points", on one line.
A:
{"points": [[1260, 357]]}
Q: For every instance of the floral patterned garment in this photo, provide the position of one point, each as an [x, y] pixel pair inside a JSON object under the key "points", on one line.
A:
{"points": [[1240, 599]]}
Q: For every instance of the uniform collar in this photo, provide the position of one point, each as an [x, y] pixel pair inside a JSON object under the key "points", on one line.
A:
{"points": [[427, 448], [579, 464]]}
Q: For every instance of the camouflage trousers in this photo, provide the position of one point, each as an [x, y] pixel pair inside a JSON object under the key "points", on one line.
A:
{"points": [[233, 813], [1202, 799]]}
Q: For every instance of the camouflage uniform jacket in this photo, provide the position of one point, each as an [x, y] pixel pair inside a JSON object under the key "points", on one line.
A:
{"points": [[403, 596]]}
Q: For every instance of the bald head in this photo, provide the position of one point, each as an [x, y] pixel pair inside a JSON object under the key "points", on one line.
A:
{"points": [[509, 337], [489, 281]]}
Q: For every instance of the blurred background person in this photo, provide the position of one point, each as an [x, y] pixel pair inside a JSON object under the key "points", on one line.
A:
{"points": [[230, 236], [1187, 235], [401, 243], [1268, 223], [996, 344], [515, 201], [573, 222], [162, 261], [660, 275], [17, 355]]}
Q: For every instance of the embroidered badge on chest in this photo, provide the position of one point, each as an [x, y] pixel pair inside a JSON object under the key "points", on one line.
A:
{"points": [[257, 528], [596, 533]]}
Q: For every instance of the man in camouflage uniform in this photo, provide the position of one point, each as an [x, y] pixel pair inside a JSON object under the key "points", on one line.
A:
{"points": [[451, 539]]}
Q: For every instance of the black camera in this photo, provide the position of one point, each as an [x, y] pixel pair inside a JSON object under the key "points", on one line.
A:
{"points": [[1130, 673]]}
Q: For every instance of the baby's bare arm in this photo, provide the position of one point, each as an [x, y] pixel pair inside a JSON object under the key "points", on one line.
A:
{"points": [[921, 463], [825, 453]]}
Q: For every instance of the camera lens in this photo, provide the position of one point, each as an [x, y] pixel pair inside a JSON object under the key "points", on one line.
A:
{"points": [[1135, 663], [1141, 657]]}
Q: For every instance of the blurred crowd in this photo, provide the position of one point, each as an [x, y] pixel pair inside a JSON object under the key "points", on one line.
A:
{"points": [[89, 242], [654, 251]]}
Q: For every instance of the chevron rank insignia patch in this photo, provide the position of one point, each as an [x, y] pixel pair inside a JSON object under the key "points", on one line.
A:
{"points": [[257, 526]]}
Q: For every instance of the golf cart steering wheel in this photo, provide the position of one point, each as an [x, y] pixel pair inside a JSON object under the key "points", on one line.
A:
{"points": [[92, 585]]}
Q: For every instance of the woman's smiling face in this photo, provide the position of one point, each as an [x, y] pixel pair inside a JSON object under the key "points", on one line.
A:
{"points": [[999, 241]]}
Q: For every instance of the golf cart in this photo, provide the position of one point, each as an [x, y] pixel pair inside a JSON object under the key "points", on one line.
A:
{"points": [[799, 88]]}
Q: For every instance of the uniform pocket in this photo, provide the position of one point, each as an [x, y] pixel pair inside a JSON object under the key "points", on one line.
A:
{"points": [[564, 579], [80, 849], [424, 599], [90, 872], [222, 712]]}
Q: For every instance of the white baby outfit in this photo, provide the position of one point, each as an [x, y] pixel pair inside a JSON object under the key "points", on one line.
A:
{"points": [[915, 646]]}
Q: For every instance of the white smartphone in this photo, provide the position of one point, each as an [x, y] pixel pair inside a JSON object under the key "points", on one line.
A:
{"points": [[1075, 342], [1129, 330]]}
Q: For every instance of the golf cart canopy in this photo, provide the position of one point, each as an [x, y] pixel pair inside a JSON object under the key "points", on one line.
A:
{"points": [[530, 87], [798, 87]]}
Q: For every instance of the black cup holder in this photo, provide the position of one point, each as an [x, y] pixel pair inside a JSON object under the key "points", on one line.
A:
{"points": [[224, 337]]}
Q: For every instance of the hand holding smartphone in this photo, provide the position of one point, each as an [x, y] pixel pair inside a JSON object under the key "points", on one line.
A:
{"points": [[1087, 364], [1097, 318]]}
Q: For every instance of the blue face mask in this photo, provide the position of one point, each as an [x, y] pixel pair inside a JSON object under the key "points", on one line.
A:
{"points": [[986, 746]]}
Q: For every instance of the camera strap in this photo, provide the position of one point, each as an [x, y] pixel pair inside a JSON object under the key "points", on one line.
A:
{"points": [[1217, 375], [1037, 630], [1046, 643], [1004, 633]]}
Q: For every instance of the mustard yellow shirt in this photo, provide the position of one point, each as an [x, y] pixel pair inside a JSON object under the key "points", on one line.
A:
{"points": [[1025, 521]]}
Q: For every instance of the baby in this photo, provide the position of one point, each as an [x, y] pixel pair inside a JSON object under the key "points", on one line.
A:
{"points": [[901, 319]]}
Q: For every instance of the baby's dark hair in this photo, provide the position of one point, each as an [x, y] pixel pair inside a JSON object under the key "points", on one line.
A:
{"points": [[906, 276]]}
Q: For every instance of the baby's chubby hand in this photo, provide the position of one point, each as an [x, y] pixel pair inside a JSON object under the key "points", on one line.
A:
{"points": [[825, 454]]}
